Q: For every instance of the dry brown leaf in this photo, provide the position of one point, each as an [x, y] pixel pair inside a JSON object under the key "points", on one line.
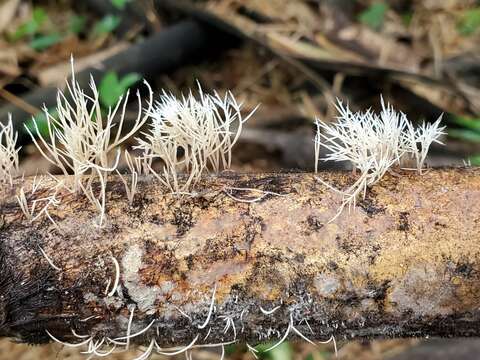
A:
{"points": [[7, 12], [444, 97], [8, 60], [297, 48], [386, 51], [56, 74]]}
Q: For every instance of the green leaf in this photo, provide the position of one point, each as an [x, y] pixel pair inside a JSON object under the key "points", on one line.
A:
{"points": [[407, 18], [42, 123], [111, 87], [39, 15], [106, 25], [31, 27], [374, 15], [320, 355], [283, 351], [23, 30], [45, 41], [231, 349], [465, 134], [466, 122], [475, 160], [129, 80], [469, 22], [77, 24], [119, 4]]}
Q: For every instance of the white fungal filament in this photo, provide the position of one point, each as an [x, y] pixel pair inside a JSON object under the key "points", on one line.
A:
{"points": [[8, 152], [372, 144]]}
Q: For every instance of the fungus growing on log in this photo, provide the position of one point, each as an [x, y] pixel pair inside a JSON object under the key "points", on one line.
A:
{"points": [[236, 258], [215, 270]]}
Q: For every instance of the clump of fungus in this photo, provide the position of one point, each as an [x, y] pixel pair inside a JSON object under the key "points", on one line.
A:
{"points": [[373, 143], [193, 135]]}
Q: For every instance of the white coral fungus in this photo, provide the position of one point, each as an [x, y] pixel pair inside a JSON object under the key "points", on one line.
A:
{"points": [[8, 152], [82, 138], [193, 136], [373, 143]]}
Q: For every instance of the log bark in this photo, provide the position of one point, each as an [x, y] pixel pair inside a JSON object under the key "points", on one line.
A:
{"points": [[219, 266]]}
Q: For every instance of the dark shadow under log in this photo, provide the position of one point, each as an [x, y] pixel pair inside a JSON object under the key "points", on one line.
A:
{"points": [[216, 268]]}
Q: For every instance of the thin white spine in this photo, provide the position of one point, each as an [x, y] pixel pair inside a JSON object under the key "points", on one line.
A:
{"points": [[117, 277], [210, 310]]}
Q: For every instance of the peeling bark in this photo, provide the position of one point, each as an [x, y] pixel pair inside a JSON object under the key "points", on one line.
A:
{"points": [[405, 262]]}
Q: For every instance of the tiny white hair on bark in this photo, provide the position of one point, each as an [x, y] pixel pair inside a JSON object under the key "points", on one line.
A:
{"points": [[50, 262], [296, 331], [229, 323], [264, 194], [182, 312], [78, 335], [372, 143], [148, 351], [284, 337], [23, 203], [70, 345], [252, 350], [8, 152], [210, 308], [117, 277], [331, 339], [177, 352], [271, 311], [29, 210], [203, 129], [93, 346]]}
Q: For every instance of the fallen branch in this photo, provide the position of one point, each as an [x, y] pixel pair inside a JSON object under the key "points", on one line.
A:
{"points": [[208, 269], [164, 51]]}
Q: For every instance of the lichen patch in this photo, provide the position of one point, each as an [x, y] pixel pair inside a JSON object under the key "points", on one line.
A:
{"points": [[144, 296]]}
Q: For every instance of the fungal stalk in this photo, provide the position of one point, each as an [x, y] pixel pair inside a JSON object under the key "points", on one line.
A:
{"points": [[81, 138], [372, 143], [419, 140], [135, 167], [8, 152], [193, 136]]}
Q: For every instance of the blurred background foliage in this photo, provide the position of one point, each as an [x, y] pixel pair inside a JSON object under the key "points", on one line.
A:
{"points": [[294, 57]]}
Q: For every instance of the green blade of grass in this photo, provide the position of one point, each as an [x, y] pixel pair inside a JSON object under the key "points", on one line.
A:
{"points": [[109, 89], [283, 351], [374, 15], [77, 24], [43, 42], [469, 22], [465, 134], [42, 123], [469, 123], [31, 27], [475, 160], [106, 25], [129, 80], [119, 4]]}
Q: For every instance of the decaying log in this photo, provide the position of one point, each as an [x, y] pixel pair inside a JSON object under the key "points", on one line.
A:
{"points": [[180, 44], [230, 264]]}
